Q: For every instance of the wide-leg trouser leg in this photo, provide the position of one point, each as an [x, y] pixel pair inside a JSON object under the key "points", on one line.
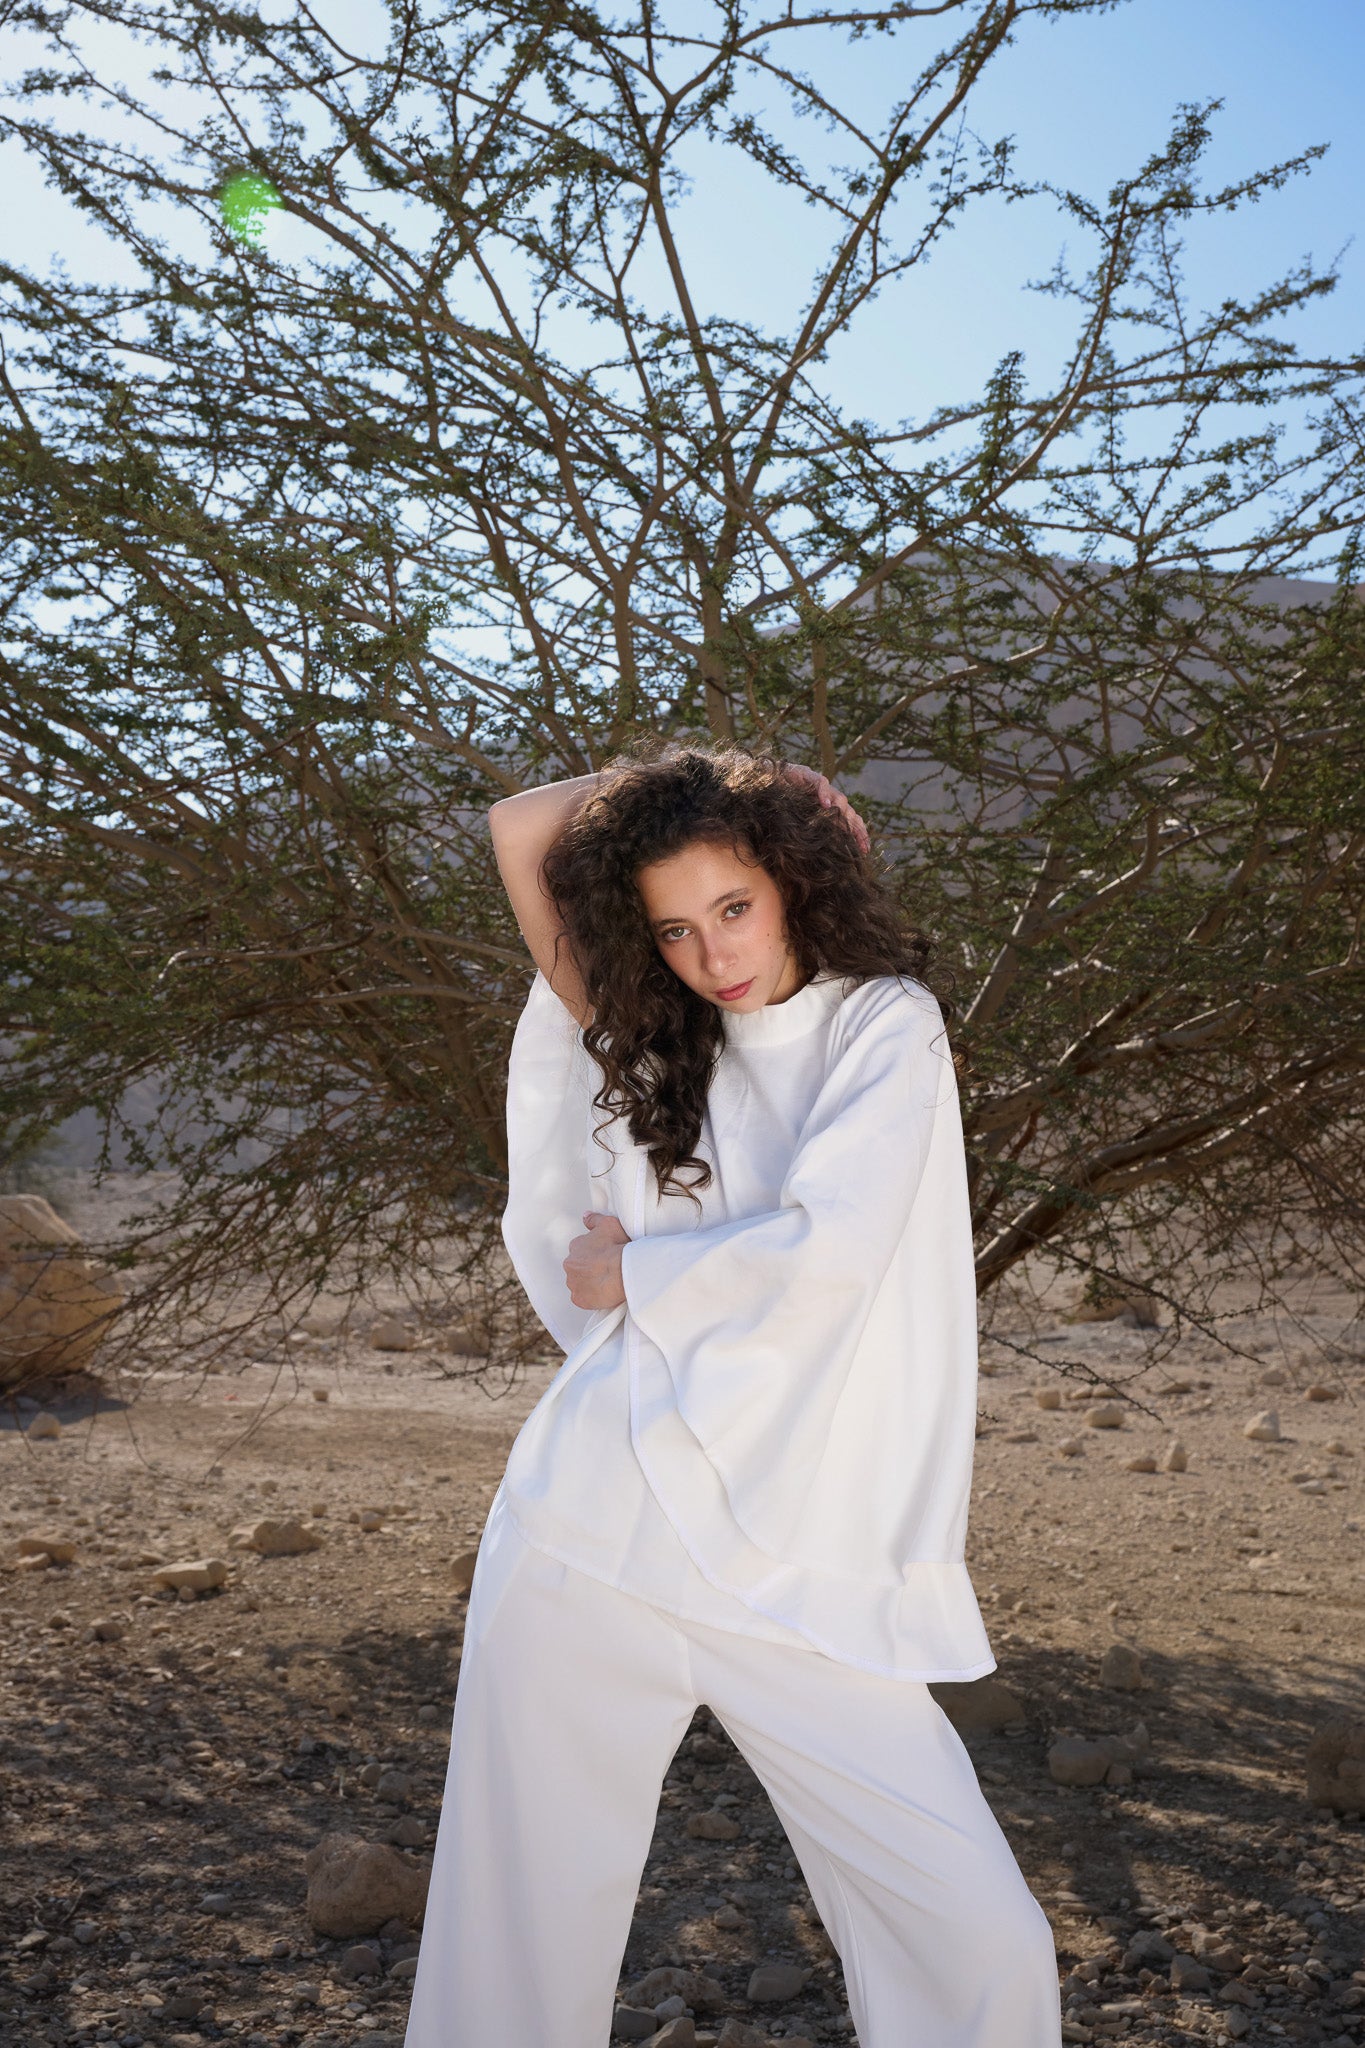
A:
{"points": [[572, 1699]]}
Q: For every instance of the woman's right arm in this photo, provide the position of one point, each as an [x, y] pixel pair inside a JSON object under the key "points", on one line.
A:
{"points": [[524, 828]]}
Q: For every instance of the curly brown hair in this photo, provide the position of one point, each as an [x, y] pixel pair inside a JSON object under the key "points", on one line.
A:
{"points": [[655, 1039]]}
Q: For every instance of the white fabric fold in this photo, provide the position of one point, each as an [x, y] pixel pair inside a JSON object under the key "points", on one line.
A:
{"points": [[799, 1364]]}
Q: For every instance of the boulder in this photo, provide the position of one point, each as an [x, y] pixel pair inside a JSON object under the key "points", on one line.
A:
{"points": [[1263, 1428], [978, 1705], [1335, 1765], [1073, 1760], [355, 1886], [276, 1539], [56, 1305]]}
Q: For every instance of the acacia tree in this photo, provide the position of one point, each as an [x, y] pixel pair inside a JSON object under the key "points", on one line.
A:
{"points": [[305, 561]]}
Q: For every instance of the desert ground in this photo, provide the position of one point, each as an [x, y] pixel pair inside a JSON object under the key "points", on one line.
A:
{"points": [[171, 1757]]}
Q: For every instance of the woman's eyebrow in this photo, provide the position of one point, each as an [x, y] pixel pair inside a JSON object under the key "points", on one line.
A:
{"points": [[715, 905]]}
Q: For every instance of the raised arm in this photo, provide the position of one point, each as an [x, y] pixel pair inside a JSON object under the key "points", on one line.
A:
{"points": [[524, 828]]}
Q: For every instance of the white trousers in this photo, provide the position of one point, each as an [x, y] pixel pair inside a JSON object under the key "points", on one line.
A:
{"points": [[573, 1697]]}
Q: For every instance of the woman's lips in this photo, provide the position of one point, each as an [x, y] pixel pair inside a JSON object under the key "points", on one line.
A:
{"points": [[732, 995]]}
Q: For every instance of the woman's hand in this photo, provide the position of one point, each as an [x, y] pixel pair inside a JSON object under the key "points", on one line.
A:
{"points": [[829, 795], [593, 1267]]}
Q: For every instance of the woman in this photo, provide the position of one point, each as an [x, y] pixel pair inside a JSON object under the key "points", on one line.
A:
{"points": [[737, 1198]]}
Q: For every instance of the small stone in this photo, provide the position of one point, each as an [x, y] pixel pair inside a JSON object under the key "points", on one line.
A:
{"points": [[200, 1574], [978, 1705], [355, 1886], [1119, 1774], [186, 1594], [407, 1832], [735, 2034], [1320, 1393], [1048, 1397], [85, 1932], [1147, 1947], [1121, 1668], [727, 1918], [268, 1538], [462, 1570], [1175, 1458], [322, 1393], [711, 1827], [678, 2033], [44, 1428], [370, 1521], [670, 2008], [388, 1334], [775, 1983], [318, 1509], [1105, 1415], [112, 1629], [1263, 1428], [1073, 1760], [1069, 1447], [1335, 1765], [702, 1993], [360, 1961], [395, 1786], [1187, 1974], [632, 2023], [55, 1549], [215, 1902], [1143, 1462]]}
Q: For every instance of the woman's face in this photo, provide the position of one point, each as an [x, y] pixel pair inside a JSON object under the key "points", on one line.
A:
{"points": [[718, 919]]}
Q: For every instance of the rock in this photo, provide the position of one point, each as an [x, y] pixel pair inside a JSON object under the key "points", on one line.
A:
{"points": [[1187, 1974], [462, 1571], [1334, 1763], [407, 1833], [354, 1886], [1121, 1668], [633, 2023], [712, 1827], [112, 1629], [1069, 1447], [1119, 1774], [727, 1918], [360, 1961], [44, 1428], [395, 1786], [85, 1932], [404, 1970], [198, 1575], [1147, 1948], [276, 1539], [1143, 1462], [388, 1334], [1175, 1458], [735, 2034], [978, 1705], [1320, 1393], [678, 2033], [321, 1394], [467, 1340], [1263, 1428], [1105, 1415], [702, 1993], [215, 1902], [56, 1306], [1048, 1397], [56, 1549], [1072, 1760], [1131, 1306], [670, 2008], [775, 1983]]}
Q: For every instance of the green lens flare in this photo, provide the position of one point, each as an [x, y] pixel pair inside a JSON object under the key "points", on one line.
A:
{"points": [[245, 202]]}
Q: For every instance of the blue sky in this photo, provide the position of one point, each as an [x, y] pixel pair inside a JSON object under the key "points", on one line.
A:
{"points": [[1086, 99]]}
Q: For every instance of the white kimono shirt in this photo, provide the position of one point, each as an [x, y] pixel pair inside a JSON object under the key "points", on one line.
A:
{"points": [[774, 1433]]}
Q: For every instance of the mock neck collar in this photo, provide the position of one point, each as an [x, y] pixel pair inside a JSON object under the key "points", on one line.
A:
{"points": [[779, 1023]]}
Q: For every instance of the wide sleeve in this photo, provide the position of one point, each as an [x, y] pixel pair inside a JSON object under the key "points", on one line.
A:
{"points": [[549, 1090], [761, 1318]]}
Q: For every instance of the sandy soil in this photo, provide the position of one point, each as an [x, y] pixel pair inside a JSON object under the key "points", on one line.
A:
{"points": [[205, 1752]]}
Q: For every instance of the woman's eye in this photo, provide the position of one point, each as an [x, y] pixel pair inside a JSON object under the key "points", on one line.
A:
{"points": [[735, 906], [672, 931]]}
